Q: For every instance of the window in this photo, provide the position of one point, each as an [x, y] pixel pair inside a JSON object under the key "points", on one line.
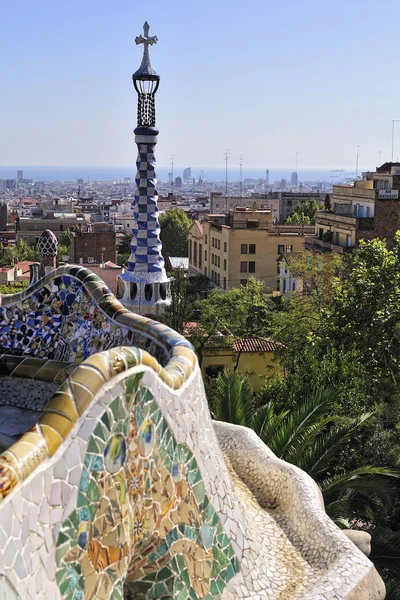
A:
{"points": [[205, 271], [293, 286], [219, 244], [195, 254], [243, 282], [224, 283], [281, 249], [243, 249], [212, 259], [243, 267], [205, 239], [212, 242], [355, 210], [252, 266], [215, 370], [289, 248], [218, 279], [225, 246], [205, 254], [190, 251], [90, 259], [368, 211], [200, 255], [224, 264], [219, 261], [252, 248]]}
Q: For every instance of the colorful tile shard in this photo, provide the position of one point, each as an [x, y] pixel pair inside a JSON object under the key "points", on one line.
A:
{"points": [[120, 490], [142, 515]]}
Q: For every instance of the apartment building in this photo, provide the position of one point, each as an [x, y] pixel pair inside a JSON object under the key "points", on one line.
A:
{"points": [[228, 249], [280, 203], [370, 208]]}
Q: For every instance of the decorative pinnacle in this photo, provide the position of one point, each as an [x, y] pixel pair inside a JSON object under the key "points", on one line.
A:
{"points": [[145, 70]]}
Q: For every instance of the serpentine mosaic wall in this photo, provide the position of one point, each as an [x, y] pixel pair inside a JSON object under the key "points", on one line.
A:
{"points": [[60, 318], [120, 488]]}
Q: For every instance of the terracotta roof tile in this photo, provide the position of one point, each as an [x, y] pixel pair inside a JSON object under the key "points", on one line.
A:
{"points": [[256, 344]]}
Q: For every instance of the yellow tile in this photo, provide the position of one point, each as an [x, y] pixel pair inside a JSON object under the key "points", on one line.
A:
{"points": [[53, 439], [100, 361], [89, 377], [60, 424], [82, 396], [62, 402]]}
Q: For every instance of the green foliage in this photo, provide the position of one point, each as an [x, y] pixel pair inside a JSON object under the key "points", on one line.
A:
{"points": [[62, 252], [311, 437], [122, 259], [66, 239], [124, 245], [180, 311], [22, 251], [237, 313], [174, 226], [14, 288], [304, 213]]}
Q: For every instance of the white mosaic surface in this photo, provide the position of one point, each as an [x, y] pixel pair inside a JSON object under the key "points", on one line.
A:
{"points": [[272, 512]]}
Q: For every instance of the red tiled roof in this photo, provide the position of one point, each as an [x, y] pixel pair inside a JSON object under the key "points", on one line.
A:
{"points": [[256, 344]]}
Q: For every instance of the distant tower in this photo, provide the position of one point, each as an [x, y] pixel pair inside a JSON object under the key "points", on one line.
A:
{"points": [[144, 287], [294, 179], [187, 174], [266, 179], [47, 246], [20, 176]]}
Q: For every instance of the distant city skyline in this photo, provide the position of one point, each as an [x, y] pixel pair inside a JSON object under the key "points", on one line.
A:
{"points": [[267, 81]]}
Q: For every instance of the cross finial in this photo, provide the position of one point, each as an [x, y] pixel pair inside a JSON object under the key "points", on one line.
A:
{"points": [[146, 39]]}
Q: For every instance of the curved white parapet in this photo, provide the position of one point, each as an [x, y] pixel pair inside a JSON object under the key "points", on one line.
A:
{"points": [[125, 487]]}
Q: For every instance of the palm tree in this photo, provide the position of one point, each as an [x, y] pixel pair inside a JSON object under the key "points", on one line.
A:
{"points": [[311, 438]]}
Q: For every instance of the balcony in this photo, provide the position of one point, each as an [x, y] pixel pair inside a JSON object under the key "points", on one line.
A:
{"points": [[330, 217], [314, 243]]}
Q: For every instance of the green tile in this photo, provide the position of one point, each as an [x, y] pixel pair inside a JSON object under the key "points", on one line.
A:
{"points": [[115, 407]]}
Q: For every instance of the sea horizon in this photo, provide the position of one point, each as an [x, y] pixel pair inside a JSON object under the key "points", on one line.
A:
{"points": [[117, 173]]}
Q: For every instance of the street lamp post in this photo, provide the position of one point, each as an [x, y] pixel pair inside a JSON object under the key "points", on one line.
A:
{"points": [[226, 173], [393, 123], [241, 172], [358, 147], [297, 175]]}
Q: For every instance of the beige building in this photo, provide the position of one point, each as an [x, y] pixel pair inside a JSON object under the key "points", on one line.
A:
{"points": [[228, 249], [370, 208]]}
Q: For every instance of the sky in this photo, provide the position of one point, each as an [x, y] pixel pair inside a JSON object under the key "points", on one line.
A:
{"points": [[263, 78]]}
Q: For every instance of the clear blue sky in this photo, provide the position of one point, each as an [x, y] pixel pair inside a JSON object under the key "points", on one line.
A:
{"points": [[263, 78]]}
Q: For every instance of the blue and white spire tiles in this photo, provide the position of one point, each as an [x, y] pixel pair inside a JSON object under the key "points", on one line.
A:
{"points": [[144, 287]]}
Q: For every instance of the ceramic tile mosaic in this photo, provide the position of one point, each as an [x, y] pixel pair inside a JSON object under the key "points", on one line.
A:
{"points": [[125, 488]]}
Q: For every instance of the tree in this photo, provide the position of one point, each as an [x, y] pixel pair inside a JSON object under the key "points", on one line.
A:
{"points": [[124, 245], [66, 239], [304, 213], [174, 232], [365, 309], [180, 311], [236, 313], [327, 202]]}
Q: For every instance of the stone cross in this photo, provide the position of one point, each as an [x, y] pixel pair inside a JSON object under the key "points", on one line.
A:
{"points": [[146, 39]]}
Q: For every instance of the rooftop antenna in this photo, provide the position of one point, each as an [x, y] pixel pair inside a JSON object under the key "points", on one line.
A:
{"points": [[241, 172], [226, 154]]}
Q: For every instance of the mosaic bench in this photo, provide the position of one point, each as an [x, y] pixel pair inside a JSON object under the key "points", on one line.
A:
{"points": [[114, 481]]}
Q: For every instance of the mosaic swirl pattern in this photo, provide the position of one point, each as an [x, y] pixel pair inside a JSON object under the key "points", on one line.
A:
{"points": [[142, 513]]}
